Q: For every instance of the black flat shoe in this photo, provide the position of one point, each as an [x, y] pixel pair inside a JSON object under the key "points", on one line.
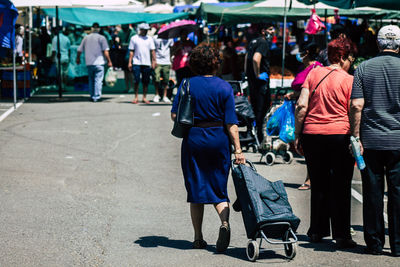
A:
{"points": [[224, 238], [199, 244], [345, 243]]}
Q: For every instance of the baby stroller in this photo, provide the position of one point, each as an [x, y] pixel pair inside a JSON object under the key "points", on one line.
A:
{"points": [[272, 146], [246, 117], [266, 211]]}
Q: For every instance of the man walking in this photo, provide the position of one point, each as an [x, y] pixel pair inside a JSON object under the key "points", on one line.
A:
{"points": [[163, 59], [257, 71], [375, 119], [65, 46], [96, 49], [142, 58]]}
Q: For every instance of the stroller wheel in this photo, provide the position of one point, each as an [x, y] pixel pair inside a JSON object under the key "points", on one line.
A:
{"points": [[254, 148], [269, 158], [290, 249], [288, 157], [252, 250]]}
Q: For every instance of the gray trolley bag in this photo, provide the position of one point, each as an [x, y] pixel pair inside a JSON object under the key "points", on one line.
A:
{"points": [[265, 210]]}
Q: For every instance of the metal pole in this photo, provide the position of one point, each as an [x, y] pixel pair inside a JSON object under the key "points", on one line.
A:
{"points": [[326, 28], [30, 33], [284, 42], [58, 57], [24, 63], [14, 80]]}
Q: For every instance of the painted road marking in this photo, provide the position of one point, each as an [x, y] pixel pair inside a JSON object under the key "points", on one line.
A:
{"points": [[9, 111]]}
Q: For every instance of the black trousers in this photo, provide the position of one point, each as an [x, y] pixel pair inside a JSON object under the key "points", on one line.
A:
{"points": [[330, 166], [380, 163], [260, 97]]}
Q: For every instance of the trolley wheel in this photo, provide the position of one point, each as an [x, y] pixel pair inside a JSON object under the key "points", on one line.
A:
{"points": [[288, 157], [252, 250], [269, 158], [290, 249], [254, 148]]}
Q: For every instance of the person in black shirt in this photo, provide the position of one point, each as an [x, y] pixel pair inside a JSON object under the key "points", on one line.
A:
{"points": [[257, 72]]}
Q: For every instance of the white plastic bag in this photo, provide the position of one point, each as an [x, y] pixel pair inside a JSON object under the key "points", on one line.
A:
{"points": [[111, 77]]}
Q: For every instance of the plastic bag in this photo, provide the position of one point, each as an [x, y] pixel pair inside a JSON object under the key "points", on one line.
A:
{"points": [[314, 24], [111, 77], [286, 133], [282, 122]]}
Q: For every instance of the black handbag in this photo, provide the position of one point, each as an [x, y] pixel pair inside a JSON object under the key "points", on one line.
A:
{"points": [[184, 117]]}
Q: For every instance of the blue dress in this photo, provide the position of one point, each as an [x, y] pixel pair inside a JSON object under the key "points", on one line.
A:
{"points": [[205, 152]]}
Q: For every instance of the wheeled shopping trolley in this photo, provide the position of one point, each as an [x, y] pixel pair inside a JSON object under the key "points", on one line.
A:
{"points": [[266, 212]]}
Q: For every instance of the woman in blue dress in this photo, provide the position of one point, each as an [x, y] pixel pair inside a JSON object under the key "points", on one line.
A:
{"points": [[205, 153]]}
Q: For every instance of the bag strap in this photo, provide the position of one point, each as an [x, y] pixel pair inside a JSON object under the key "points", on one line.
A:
{"points": [[185, 88], [312, 93]]}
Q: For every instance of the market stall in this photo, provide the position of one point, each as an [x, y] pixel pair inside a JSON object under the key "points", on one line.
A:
{"points": [[7, 42]]}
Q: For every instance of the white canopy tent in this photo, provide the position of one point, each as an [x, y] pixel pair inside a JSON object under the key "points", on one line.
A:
{"points": [[159, 8], [198, 3]]}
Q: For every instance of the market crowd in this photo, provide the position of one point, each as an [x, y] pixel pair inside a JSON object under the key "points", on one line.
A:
{"points": [[349, 88]]}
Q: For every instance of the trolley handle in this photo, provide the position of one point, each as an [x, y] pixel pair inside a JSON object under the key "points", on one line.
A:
{"points": [[247, 161]]}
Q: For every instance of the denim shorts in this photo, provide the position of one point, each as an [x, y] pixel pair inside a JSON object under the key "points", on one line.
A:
{"points": [[144, 70]]}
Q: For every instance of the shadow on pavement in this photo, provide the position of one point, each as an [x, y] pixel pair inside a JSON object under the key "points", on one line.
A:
{"points": [[292, 185], [327, 245], [234, 252], [38, 99], [163, 241]]}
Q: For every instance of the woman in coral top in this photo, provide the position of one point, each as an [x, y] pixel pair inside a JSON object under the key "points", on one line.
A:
{"points": [[323, 133]]}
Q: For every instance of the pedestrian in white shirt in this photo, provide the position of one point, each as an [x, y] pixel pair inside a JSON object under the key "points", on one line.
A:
{"points": [[163, 59], [96, 49], [142, 59]]}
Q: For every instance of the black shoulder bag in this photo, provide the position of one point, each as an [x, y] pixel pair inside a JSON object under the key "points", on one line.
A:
{"points": [[184, 117]]}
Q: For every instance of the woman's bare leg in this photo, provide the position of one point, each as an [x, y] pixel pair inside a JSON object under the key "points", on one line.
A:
{"points": [[197, 212]]}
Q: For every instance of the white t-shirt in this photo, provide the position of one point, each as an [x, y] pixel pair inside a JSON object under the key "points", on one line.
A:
{"points": [[93, 45], [19, 42], [163, 47], [65, 46], [142, 46]]}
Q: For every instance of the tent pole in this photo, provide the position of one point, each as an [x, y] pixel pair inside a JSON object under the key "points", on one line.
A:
{"points": [[14, 80], [284, 42], [25, 59], [326, 28], [58, 56], [30, 33]]}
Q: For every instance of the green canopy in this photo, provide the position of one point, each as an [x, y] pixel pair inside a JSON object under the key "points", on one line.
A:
{"points": [[385, 4], [87, 16], [255, 13]]}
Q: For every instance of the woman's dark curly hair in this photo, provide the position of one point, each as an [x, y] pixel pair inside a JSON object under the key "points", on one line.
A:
{"points": [[204, 60]]}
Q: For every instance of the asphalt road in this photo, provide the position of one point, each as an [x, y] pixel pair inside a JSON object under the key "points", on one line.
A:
{"points": [[100, 184]]}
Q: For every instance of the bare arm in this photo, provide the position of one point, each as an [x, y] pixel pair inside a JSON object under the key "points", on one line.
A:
{"points": [[256, 63], [356, 107], [300, 114], [131, 53], [78, 57], [233, 132], [173, 116], [153, 59], [107, 55]]}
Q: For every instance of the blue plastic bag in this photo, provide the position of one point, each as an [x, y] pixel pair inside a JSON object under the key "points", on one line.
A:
{"points": [[286, 133], [282, 122]]}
